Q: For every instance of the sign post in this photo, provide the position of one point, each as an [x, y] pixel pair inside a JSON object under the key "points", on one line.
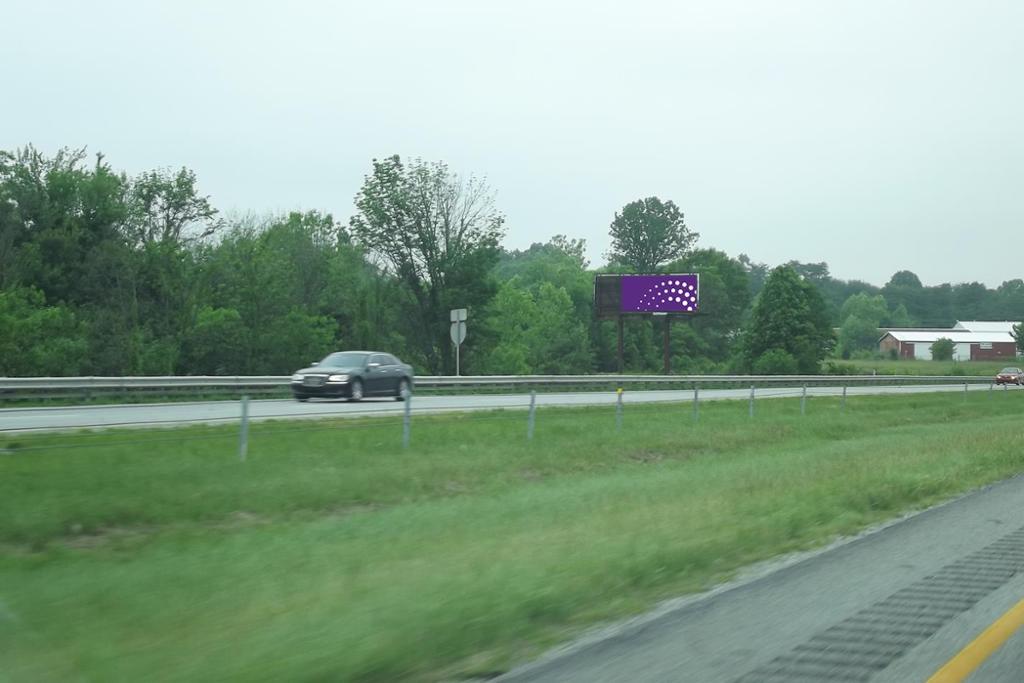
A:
{"points": [[458, 332]]}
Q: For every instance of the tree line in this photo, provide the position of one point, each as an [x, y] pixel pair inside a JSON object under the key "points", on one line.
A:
{"points": [[105, 273]]}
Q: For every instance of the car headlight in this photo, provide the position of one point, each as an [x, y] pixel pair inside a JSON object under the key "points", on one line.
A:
{"points": [[338, 378], [296, 377]]}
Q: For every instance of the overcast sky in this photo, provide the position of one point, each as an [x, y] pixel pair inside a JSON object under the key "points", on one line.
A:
{"points": [[876, 136]]}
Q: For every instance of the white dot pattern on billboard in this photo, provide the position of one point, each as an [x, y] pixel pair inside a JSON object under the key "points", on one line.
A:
{"points": [[669, 292], [659, 293]]}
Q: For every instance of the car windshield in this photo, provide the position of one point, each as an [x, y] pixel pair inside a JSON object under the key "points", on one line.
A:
{"points": [[345, 359], [1010, 371]]}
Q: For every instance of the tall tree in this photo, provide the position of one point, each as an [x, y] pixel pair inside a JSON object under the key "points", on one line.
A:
{"points": [[1010, 300], [724, 296], [559, 261], [861, 315], [789, 320], [870, 308], [438, 234], [535, 332], [649, 233], [757, 273], [58, 213], [973, 301], [165, 207]]}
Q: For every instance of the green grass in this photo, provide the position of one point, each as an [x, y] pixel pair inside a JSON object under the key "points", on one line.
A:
{"points": [[332, 554], [973, 368]]}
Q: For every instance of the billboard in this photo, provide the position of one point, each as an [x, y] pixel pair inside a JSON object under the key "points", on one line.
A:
{"points": [[659, 294], [616, 295]]}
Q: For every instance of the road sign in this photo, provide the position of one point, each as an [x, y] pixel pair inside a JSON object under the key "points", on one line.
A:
{"points": [[458, 332], [459, 315]]}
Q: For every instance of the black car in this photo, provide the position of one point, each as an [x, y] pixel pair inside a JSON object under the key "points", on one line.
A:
{"points": [[353, 375]]}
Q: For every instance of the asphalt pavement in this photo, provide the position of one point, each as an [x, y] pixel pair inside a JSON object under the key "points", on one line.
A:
{"points": [[213, 412]]}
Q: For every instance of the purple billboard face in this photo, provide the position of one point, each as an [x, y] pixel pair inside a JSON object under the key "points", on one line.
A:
{"points": [[660, 293]]}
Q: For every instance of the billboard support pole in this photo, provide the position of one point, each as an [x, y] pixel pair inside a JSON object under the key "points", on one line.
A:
{"points": [[620, 344], [668, 355]]}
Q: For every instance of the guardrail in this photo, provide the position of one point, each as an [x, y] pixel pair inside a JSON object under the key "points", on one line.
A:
{"points": [[30, 388]]}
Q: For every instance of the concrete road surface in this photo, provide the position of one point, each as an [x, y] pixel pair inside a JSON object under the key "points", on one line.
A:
{"points": [[892, 606], [167, 414]]}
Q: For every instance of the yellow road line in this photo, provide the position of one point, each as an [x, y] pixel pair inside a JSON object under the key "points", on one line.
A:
{"points": [[981, 648]]}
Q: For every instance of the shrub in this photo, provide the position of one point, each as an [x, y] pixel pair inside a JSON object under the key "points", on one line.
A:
{"points": [[832, 368], [775, 362], [942, 349]]}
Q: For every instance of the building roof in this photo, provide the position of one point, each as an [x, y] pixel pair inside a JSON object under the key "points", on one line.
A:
{"points": [[919, 329], [986, 325], [956, 336]]}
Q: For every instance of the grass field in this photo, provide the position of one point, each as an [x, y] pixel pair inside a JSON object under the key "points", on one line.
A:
{"points": [[974, 368], [332, 554]]}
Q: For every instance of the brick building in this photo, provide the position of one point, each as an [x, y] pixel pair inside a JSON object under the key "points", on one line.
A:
{"points": [[972, 340]]}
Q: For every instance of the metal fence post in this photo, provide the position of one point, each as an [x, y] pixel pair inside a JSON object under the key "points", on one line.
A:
{"points": [[991, 386], [696, 403], [751, 400], [965, 392], [533, 412], [803, 401], [842, 404], [407, 420], [618, 410], [243, 436]]}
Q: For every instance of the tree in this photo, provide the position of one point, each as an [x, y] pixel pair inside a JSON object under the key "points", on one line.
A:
{"points": [[559, 261], [756, 272], [973, 301], [872, 309], [535, 332], [1010, 298], [649, 233], [899, 317], [789, 315], [927, 305], [1018, 336], [724, 296], [217, 343], [58, 213], [857, 334], [438, 235], [905, 278], [861, 315], [776, 362], [942, 349], [814, 272], [36, 339], [166, 208]]}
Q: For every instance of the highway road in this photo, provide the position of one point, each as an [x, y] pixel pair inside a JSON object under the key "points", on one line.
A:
{"points": [[212, 412], [892, 606]]}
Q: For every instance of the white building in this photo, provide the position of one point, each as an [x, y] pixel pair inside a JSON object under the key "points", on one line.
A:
{"points": [[972, 340]]}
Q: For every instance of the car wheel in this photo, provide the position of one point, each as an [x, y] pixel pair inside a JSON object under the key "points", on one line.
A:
{"points": [[301, 399], [403, 390], [356, 392]]}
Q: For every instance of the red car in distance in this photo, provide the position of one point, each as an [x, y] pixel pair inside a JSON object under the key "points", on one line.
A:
{"points": [[1010, 376]]}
